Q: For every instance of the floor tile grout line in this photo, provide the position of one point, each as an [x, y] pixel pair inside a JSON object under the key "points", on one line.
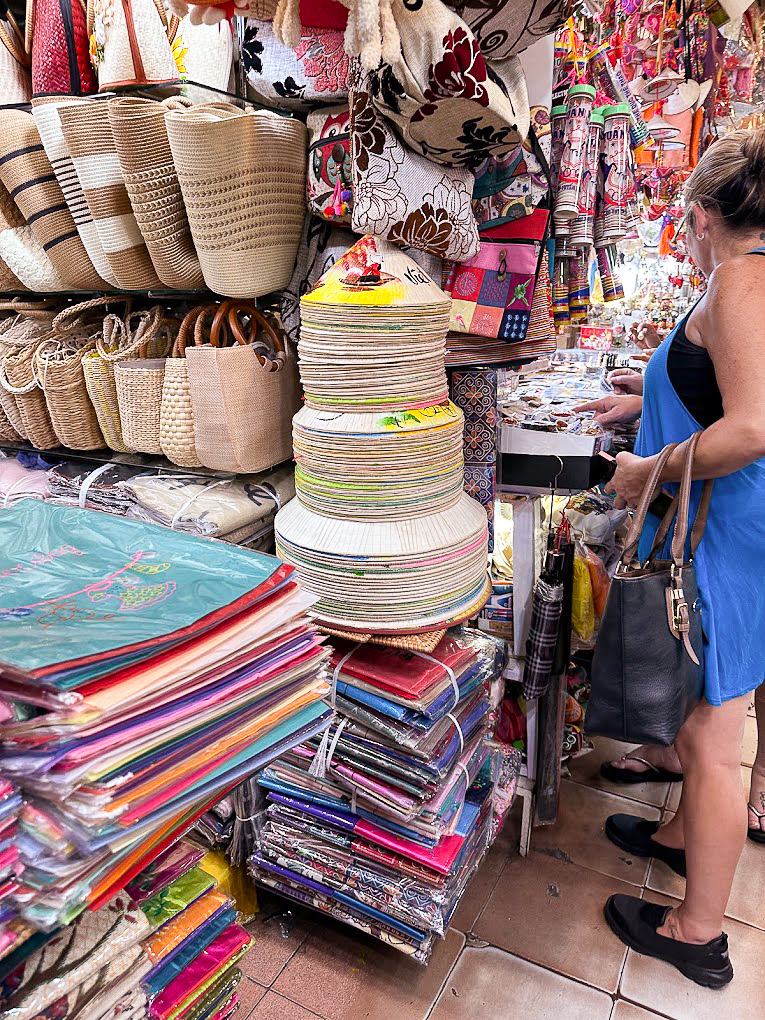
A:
{"points": [[585, 867], [648, 1009], [440, 991], [550, 970], [294, 1002]]}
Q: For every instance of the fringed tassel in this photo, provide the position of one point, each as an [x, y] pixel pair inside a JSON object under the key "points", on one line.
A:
{"points": [[286, 23]]}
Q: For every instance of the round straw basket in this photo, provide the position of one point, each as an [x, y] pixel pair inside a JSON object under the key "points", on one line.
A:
{"points": [[176, 419], [60, 374], [242, 176], [17, 376], [152, 184]]}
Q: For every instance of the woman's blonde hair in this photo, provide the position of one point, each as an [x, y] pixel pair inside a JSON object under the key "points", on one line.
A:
{"points": [[730, 177]]}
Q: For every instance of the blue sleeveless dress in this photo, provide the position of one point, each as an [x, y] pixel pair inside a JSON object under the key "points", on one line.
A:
{"points": [[730, 560]]}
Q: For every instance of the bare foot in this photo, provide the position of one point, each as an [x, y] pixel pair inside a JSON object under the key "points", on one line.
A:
{"points": [[661, 757], [757, 798], [675, 927]]}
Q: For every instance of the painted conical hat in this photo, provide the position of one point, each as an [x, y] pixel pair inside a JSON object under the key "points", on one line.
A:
{"points": [[375, 273]]}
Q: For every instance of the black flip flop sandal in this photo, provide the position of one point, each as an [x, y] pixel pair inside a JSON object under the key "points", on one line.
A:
{"points": [[629, 777], [757, 835]]}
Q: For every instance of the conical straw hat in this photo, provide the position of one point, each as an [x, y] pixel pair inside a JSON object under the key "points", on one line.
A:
{"points": [[377, 273]]}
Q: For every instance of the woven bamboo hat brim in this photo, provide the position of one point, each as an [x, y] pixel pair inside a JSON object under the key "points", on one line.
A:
{"points": [[45, 110], [26, 172], [390, 576], [88, 134], [242, 176], [367, 466], [22, 252], [147, 166]]}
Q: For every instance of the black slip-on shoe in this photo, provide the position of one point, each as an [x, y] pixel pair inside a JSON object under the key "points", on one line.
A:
{"points": [[630, 777], [635, 835], [636, 921]]}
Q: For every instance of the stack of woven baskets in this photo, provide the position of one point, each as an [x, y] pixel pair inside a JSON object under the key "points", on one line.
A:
{"points": [[135, 194], [213, 389]]}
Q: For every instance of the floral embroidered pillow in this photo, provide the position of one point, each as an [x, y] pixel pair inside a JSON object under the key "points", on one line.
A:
{"points": [[316, 73], [402, 196], [442, 96], [504, 29]]}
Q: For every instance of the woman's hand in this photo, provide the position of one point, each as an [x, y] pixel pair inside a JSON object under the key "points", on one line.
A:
{"points": [[617, 409], [645, 336], [626, 380], [630, 479]]}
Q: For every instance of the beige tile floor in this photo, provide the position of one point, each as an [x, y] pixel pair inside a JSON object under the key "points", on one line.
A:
{"points": [[528, 942]]}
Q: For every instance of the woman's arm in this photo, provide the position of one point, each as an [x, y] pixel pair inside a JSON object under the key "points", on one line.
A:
{"points": [[732, 326]]}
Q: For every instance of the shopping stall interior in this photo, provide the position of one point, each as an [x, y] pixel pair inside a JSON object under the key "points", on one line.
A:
{"points": [[306, 534]]}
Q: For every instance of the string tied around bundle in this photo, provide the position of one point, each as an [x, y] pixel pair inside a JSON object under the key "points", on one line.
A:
{"points": [[322, 760], [457, 726], [449, 671], [338, 670]]}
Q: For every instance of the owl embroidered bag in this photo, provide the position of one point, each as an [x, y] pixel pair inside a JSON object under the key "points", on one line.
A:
{"points": [[328, 181]]}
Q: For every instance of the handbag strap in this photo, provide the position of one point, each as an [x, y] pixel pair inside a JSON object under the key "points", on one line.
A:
{"points": [[638, 521], [684, 504], [73, 317], [699, 522]]}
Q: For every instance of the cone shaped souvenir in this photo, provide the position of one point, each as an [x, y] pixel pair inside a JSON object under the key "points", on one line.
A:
{"points": [[381, 529]]}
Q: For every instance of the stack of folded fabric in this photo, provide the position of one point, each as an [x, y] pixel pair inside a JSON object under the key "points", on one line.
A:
{"points": [[382, 822], [195, 941], [240, 510], [11, 867], [22, 476], [171, 669]]}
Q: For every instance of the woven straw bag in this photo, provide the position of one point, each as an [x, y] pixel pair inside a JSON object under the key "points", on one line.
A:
{"points": [[60, 375], [137, 48], [18, 377], [15, 76], [57, 37], [9, 282], [88, 134], [45, 110], [9, 328], [139, 398], [7, 431], [26, 172], [244, 394], [242, 176], [22, 252], [120, 340], [140, 137], [209, 58], [176, 422]]}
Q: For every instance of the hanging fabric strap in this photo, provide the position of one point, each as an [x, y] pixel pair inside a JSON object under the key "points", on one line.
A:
{"points": [[338, 670], [460, 734], [87, 482], [449, 671], [16, 485]]}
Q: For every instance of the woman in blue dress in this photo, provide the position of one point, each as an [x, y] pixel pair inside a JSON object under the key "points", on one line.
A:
{"points": [[708, 374]]}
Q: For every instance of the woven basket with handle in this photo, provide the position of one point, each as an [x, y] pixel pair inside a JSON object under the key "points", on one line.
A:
{"points": [[244, 391], [17, 377], [120, 340], [139, 395], [177, 436]]}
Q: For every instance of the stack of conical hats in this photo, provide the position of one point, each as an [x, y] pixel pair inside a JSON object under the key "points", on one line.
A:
{"points": [[381, 529]]}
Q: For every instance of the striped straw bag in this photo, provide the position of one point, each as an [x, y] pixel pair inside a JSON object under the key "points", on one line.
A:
{"points": [[140, 136], [176, 423], [120, 340], [45, 110], [22, 252], [26, 172], [242, 176], [88, 134]]}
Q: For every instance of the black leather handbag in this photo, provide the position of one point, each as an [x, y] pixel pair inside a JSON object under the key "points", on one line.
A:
{"points": [[648, 666]]}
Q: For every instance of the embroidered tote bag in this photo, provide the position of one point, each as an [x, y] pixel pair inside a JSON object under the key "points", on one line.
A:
{"points": [[403, 196], [492, 294], [328, 182], [316, 73]]}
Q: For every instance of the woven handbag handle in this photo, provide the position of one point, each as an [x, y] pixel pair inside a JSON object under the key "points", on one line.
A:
{"points": [[257, 320], [218, 330], [13, 41], [186, 331], [129, 342], [72, 318]]}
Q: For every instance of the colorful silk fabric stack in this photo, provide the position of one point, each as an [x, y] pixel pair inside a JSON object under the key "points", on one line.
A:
{"points": [[170, 668], [382, 822], [196, 940], [381, 528], [12, 930]]}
